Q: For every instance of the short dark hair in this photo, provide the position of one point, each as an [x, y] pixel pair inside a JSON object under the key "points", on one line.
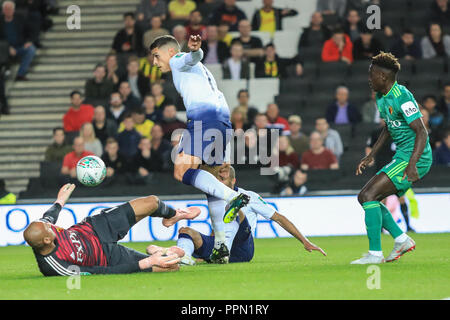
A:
{"points": [[74, 92], [242, 91], [99, 65], [128, 14], [58, 128], [162, 41], [429, 96], [386, 60], [407, 31], [111, 140], [138, 110]]}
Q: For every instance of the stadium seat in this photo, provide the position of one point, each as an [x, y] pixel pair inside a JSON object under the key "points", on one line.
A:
{"points": [[263, 91], [396, 5], [230, 89], [422, 87], [216, 70], [49, 172], [290, 104], [310, 54], [346, 133], [333, 70], [265, 37], [295, 86], [429, 68]]}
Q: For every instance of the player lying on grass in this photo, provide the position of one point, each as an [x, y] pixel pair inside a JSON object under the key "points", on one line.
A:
{"points": [[92, 244], [238, 233], [412, 159]]}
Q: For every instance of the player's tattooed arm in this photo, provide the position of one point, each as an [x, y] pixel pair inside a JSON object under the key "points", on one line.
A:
{"points": [[367, 160], [419, 145]]}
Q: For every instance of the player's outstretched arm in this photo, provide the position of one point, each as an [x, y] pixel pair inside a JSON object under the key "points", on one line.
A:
{"points": [[52, 214], [367, 160], [419, 145], [289, 227]]}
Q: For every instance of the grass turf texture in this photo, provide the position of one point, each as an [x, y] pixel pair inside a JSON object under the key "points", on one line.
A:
{"points": [[281, 269]]}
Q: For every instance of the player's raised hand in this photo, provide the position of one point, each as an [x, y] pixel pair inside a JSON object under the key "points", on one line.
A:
{"points": [[64, 193], [365, 162], [309, 246], [194, 43]]}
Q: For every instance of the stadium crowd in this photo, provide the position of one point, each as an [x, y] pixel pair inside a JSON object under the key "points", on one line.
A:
{"points": [[128, 111]]}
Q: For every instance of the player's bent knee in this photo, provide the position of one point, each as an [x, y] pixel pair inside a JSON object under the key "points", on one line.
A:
{"points": [[186, 230], [364, 196]]}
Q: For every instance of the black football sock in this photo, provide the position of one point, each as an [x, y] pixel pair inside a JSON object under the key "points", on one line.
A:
{"points": [[163, 211]]}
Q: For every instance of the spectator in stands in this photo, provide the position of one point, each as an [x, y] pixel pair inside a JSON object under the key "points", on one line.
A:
{"points": [[366, 46], [180, 9], [370, 112], [275, 121], [179, 33], [115, 163], [98, 89], [170, 122], [195, 26], [58, 149], [436, 119], [296, 185], [214, 50], [332, 7], [129, 138], [129, 99], [91, 143], [444, 105], [407, 47], [440, 12], [104, 128], [432, 134], [298, 140], [6, 197], [253, 47], [34, 12], [151, 113], [113, 70], [156, 31], [243, 100], [435, 44], [128, 39], [69, 165], [142, 125], [117, 109], [148, 69], [161, 148], [338, 48], [222, 32], [18, 34], [331, 138], [160, 98], [147, 9], [318, 157], [341, 111], [387, 36], [268, 18], [139, 84], [271, 65], [236, 67], [287, 155], [78, 113], [228, 12], [239, 119], [315, 35], [442, 153], [353, 25], [145, 162]]}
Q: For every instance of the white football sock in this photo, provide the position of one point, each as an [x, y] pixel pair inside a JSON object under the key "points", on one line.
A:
{"points": [[216, 211], [207, 183], [401, 238], [187, 245], [376, 253]]}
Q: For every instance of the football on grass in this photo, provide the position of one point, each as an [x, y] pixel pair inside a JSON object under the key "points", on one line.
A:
{"points": [[91, 171]]}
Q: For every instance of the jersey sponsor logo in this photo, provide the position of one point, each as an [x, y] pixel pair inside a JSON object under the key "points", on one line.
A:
{"points": [[390, 110], [409, 108]]}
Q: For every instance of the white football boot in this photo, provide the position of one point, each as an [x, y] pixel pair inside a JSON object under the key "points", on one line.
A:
{"points": [[369, 258], [187, 261], [400, 248]]}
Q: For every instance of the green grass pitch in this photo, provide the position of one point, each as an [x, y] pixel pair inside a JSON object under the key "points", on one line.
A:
{"points": [[281, 269]]}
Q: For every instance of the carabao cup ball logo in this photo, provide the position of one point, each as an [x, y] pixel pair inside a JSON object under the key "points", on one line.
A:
{"points": [[91, 171]]}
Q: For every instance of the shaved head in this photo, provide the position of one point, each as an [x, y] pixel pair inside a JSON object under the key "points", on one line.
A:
{"points": [[38, 234]]}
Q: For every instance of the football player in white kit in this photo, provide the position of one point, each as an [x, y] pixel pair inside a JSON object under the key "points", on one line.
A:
{"points": [[207, 135]]}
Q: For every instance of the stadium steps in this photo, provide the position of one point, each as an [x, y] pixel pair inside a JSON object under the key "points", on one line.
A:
{"points": [[64, 63]]}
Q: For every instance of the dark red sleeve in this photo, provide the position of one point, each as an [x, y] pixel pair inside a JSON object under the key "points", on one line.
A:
{"points": [[331, 157]]}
